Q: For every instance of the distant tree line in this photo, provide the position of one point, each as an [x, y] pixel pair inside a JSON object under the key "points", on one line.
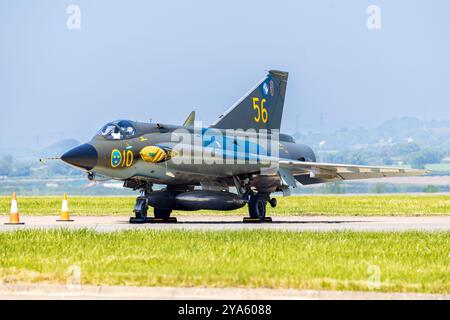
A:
{"points": [[410, 154], [10, 167]]}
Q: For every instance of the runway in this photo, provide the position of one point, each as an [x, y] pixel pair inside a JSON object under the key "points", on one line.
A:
{"points": [[90, 292], [230, 223]]}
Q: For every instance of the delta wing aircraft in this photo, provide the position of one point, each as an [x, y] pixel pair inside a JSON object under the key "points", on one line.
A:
{"points": [[198, 165]]}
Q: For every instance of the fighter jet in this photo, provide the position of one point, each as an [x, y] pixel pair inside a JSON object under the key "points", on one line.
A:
{"points": [[241, 159]]}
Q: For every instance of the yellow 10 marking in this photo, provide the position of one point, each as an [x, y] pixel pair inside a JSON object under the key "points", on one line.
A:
{"points": [[122, 159], [262, 113], [127, 158]]}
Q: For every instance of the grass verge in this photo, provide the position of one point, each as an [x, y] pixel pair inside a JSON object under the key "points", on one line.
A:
{"points": [[406, 262], [359, 205]]}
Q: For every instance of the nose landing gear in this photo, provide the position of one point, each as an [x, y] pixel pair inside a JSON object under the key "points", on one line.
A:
{"points": [[257, 208], [141, 210]]}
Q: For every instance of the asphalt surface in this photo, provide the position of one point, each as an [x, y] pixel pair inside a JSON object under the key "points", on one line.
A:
{"points": [[61, 292], [226, 223]]}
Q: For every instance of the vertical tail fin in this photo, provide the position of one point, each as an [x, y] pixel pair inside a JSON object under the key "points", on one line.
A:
{"points": [[261, 108], [189, 120]]}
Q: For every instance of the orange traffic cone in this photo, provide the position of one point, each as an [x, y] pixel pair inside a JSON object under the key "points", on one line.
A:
{"points": [[64, 210], [14, 214]]}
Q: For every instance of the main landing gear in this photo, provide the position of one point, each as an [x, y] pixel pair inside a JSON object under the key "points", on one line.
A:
{"points": [[141, 210], [257, 204], [257, 207]]}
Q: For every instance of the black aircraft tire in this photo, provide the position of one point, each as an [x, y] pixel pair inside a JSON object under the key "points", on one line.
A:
{"points": [[257, 207], [162, 213], [140, 208]]}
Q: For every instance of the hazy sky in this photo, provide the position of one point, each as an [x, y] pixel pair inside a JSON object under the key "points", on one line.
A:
{"points": [[161, 59]]}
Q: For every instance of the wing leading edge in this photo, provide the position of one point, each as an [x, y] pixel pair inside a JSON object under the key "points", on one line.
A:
{"points": [[315, 172]]}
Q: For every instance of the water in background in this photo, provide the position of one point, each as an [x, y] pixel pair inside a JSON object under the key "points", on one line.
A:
{"points": [[82, 186]]}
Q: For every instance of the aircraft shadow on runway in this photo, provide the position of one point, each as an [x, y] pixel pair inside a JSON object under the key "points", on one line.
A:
{"points": [[252, 223]]}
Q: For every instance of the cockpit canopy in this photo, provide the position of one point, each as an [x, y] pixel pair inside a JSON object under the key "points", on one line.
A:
{"points": [[117, 130]]}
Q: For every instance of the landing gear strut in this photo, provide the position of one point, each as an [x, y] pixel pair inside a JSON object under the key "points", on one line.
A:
{"points": [[141, 211], [257, 208]]}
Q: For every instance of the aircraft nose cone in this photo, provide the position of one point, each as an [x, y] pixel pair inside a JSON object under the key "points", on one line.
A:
{"points": [[84, 156]]}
